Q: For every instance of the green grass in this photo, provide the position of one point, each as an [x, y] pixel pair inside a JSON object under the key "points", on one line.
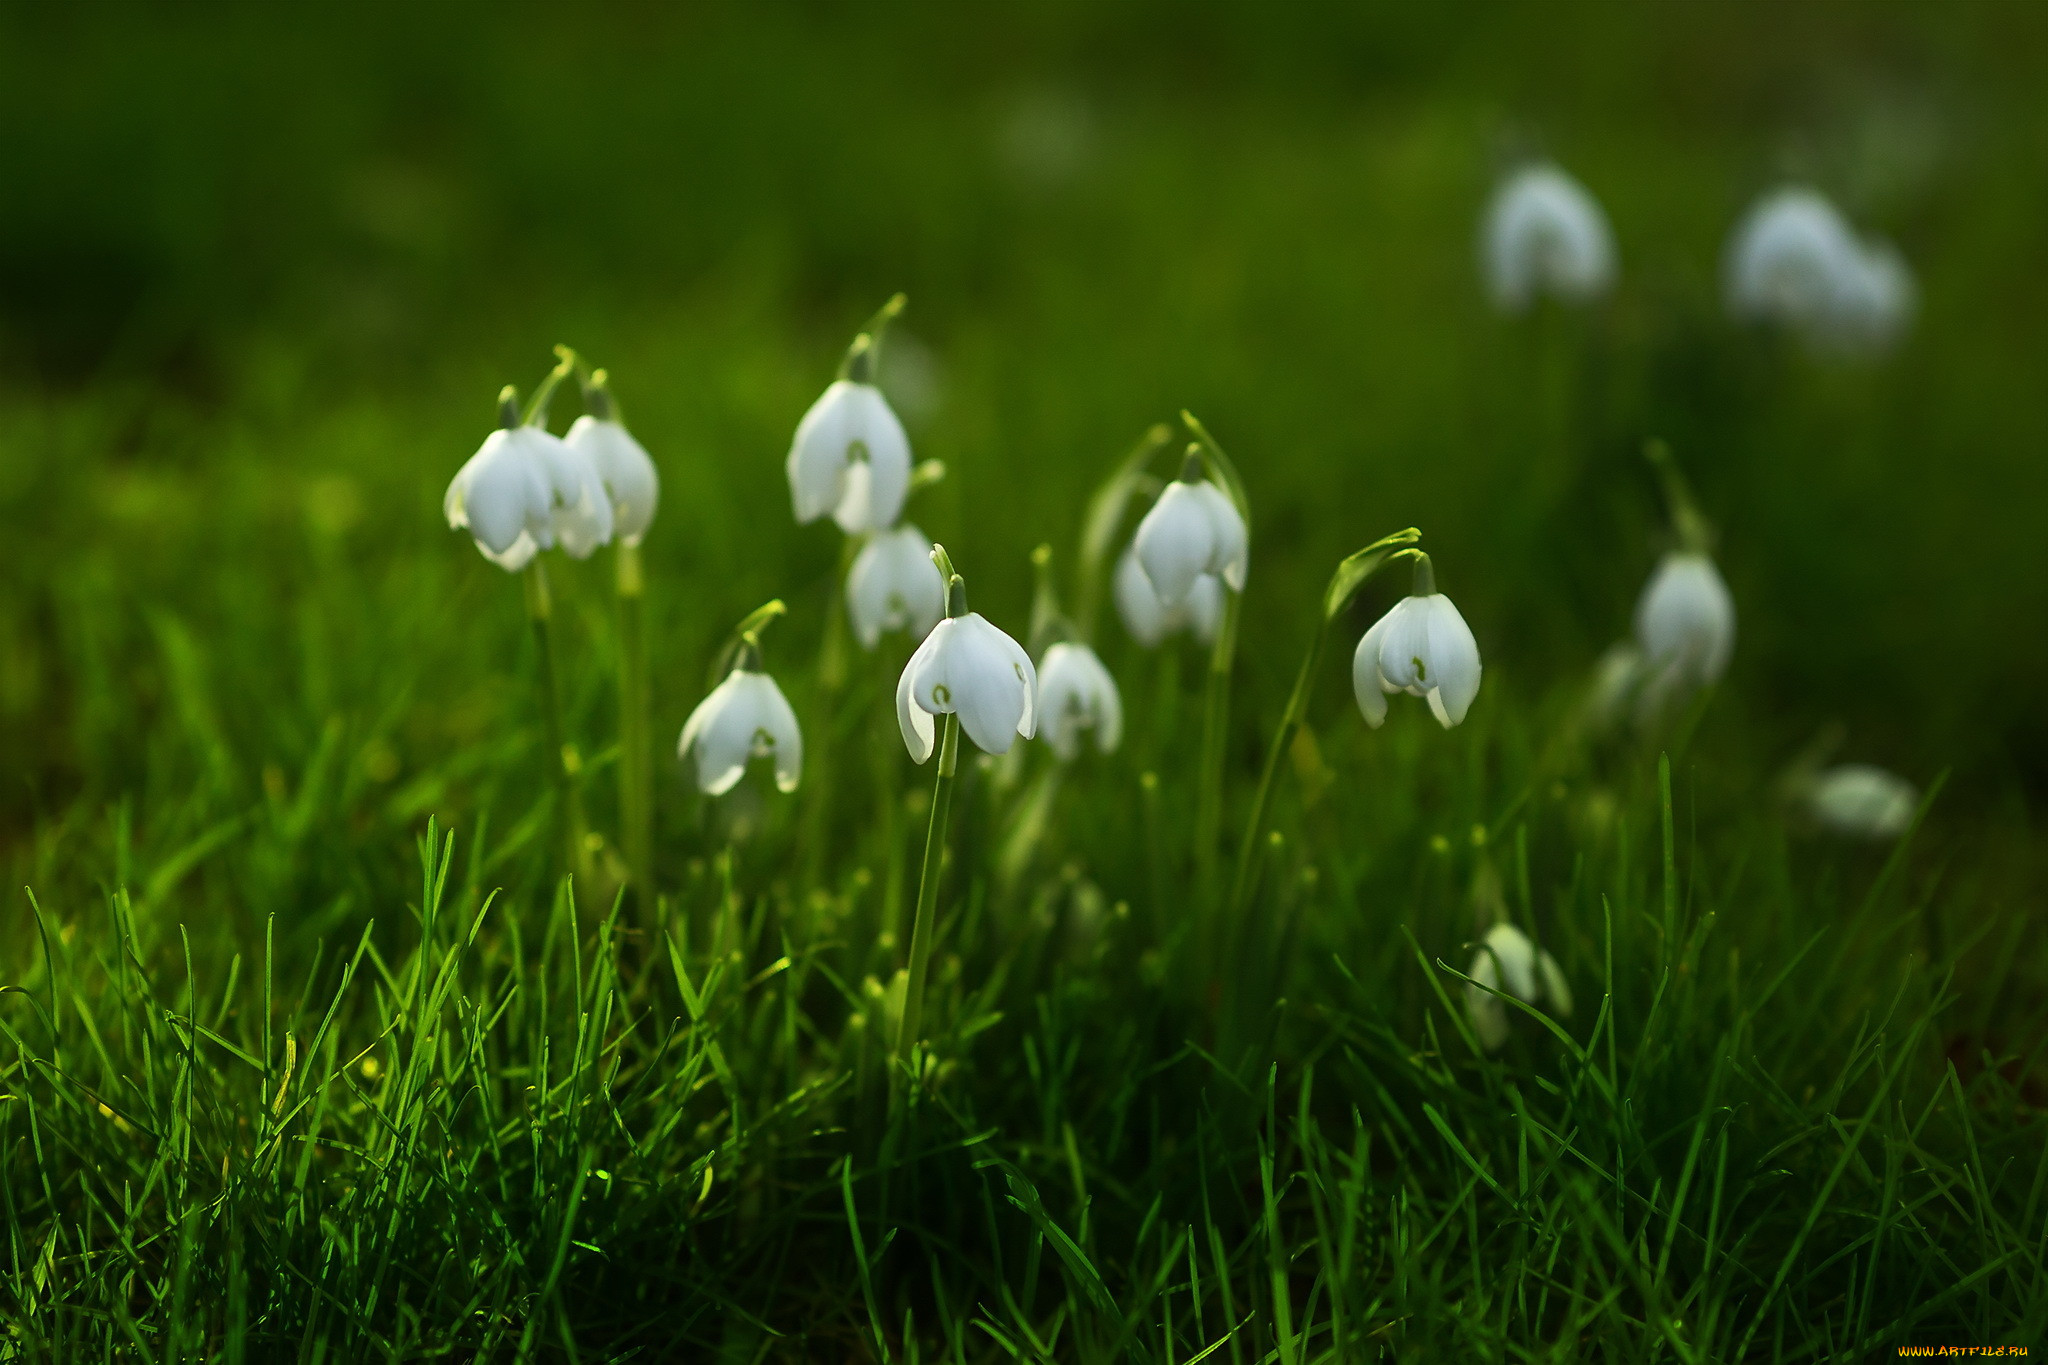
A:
{"points": [[307, 1054]]}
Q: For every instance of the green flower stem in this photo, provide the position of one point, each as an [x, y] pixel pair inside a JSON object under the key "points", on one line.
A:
{"points": [[1215, 725], [928, 890], [636, 752], [1290, 725], [832, 661], [562, 759]]}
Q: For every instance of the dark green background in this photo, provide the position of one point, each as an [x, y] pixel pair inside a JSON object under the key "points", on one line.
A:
{"points": [[263, 269]]}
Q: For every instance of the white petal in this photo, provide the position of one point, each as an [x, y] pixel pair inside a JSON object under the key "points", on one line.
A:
{"points": [[914, 721], [1366, 684], [1203, 611], [1076, 693], [500, 492], [1176, 541], [580, 511], [719, 765], [1137, 602], [1228, 535], [1511, 949], [1453, 660], [1790, 260], [818, 454], [1404, 648], [785, 737], [1686, 619], [984, 677], [624, 468], [893, 585], [878, 477], [1489, 1016], [515, 557], [1863, 801]]}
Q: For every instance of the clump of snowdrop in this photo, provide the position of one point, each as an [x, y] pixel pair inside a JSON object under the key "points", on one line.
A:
{"points": [[1508, 962], [1077, 697], [1862, 801], [744, 718], [1149, 620], [1422, 647], [970, 669], [1794, 260], [621, 463], [1545, 234], [525, 491], [893, 585], [850, 456], [1194, 529]]}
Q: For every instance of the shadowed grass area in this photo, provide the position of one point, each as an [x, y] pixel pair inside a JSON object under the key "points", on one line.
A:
{"points": [[308, 1054]]}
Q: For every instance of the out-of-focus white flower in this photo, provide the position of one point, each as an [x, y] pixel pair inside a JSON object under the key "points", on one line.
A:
{"points": [[1544, 234], [850, 458], [1685, 627], [1150, 620], [745, 717], [1789, 260], [1862, 801], [970, 668], [525, 491], [1508, 962], [1193, 529], [894, 585], [1076, 693], [625, 469], [1422, 647], [1615, 680]]}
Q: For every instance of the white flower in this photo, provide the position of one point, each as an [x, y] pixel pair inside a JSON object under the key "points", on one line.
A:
{"points": [[1424, 648], [1508, 962], [624, 468], [745, 717], [1862, 801], [525, 491], [1544, 233], [1150, 620], [850, 458], [1685, 626], [1076, 693], [1789, 258], [968, 667], [894, 585], [1193, 529]]}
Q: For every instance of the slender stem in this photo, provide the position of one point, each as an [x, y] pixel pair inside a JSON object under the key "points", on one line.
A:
{"points": [[928, 890], [831, 681], [1290, 723], [1215, 724], [636, 755], [562, 759]]}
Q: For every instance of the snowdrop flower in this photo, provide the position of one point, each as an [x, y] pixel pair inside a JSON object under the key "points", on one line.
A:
{"points": [[1876, 301], [745, 717], [622, 464], [525, 491], [850, 458], [1150, 620], [1790, 260], [1862, 801], [968, 668], [1508, 962], [1422, 647], [1544, 233], [894, 585], [1076, 693], [1193, 529], [1685, 627]]}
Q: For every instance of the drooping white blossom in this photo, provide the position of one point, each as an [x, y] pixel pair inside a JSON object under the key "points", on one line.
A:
{"points": [[1193, 529], [1424, 648], [851, 458], [625, 469], [1544, 234], [745, 717], [893, 585], [1685, 629], [1150, 620], [1508, 962], [1794, 260], [1077, 696], [1862, 801], [525, 491], [970, 668]]}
